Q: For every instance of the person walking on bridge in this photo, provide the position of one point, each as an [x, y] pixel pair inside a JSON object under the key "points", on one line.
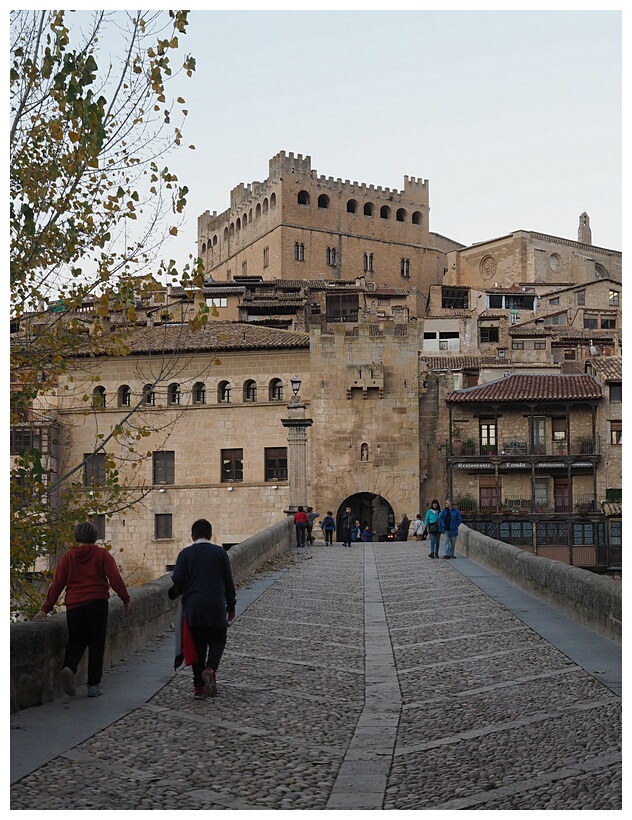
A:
{"points": [[301, 522], [347, 525], [86, 571], [203, 576]]}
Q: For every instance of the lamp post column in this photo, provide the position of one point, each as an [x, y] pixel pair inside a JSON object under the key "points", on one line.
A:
{"points": [[297, 425]]}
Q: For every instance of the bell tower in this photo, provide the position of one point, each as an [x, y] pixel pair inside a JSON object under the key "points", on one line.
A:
{"points": [[584, 234]]}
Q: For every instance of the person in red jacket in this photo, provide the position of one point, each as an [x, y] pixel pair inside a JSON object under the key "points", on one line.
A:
{"points": [[87, 572], [301, 522]]}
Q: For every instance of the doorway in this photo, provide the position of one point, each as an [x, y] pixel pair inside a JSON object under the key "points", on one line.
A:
{"points": [[370, 509]]}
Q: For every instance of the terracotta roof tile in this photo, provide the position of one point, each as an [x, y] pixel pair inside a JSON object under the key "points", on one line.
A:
{"points": [[216, 336], [612, 508], [458, 362], [530, 388], [607, 368]]}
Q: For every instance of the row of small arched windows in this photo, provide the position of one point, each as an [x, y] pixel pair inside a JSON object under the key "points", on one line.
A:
{"points": [[198, 394], [401, 214], [242, 221]]}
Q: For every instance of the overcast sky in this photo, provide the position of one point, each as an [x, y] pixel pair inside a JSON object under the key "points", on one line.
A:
{"points": [[514, 117]]}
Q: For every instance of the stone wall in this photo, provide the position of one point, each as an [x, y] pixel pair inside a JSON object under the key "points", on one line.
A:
{"points": [[594, 600], [37, 647]]}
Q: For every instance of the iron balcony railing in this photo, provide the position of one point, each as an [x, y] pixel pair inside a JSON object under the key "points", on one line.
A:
{"points": [[517, 448], [580, 504]]}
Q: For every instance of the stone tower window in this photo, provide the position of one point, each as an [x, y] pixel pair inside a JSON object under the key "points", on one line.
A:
{"points": [[250, 390], [215, 239], [303, 198], [299, 252], [238, 225], [385, 212], [98, 398], [368, 209], [124, 396], [223, 392], [173, 394], [225, 234], [266, 257], [368, 262], [199, 393], [323, 201], [265, 205], [273, 200], [331, 257], [417, 218], [401, 215], [258, 211], [203, 247], [276, 390], [231, 229], [352, 206], [244, 220]]}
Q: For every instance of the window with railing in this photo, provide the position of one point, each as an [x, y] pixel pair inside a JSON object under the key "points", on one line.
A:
{"points": [[487, 433]]}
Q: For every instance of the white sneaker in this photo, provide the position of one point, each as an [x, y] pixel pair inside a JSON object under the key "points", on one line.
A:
{"points": [[94, 691], [68, 681]]}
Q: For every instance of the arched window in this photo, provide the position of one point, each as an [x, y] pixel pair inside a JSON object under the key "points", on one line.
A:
{"points": [[223, 392], [258, 210], [244, 220], [124, 396], [352, 206], [225, 234], [323, 201], [231, 229], [250, 215], [199, 393], [98, 398], [368, 262], [215, 239], [299, 252], [385, 212], [265, 205], [368, 209], [250, 390], [273, 200], [238, 224], [149, 396], [276, 390], [401, 215], [173, 394], [203, 247], [331, 257], [417, 218], [303, 198]]}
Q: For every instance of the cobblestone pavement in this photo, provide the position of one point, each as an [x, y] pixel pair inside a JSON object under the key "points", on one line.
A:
{"points": [[363, 678]]}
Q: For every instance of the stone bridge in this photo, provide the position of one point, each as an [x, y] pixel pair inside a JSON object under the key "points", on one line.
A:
{"points": [[368, 677]]}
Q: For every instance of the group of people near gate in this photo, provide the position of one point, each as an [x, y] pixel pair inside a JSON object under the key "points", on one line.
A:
{"points": [[432, 526]]}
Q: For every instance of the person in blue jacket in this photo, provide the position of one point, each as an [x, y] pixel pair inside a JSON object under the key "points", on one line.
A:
{"points": [[449, 522]]}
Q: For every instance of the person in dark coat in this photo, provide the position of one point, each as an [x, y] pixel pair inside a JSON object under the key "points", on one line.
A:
{"points": [[312, 516], [203, 576], [402, 530], [347, 525]]}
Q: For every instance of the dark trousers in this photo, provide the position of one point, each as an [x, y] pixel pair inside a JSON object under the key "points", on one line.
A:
{"points": [[209, 644], [301, 533], [310, 527], [87, 627], [329, 536], [346, 535]]}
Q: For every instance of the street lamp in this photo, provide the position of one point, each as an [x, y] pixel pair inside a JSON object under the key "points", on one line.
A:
{"points": [[297, 425]]}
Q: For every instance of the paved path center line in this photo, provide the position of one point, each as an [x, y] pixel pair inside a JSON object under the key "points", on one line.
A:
{"points": [[362, 778]]}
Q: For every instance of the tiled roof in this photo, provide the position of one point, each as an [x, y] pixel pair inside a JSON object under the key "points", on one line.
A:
{"points": [[458, 362], [607, 368], [216, 336], [530, 388], [521, 330], [612, 508]]}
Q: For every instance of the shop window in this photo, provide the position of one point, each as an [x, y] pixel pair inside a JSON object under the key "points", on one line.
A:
{"points": [[518, 533], [551, 533]]}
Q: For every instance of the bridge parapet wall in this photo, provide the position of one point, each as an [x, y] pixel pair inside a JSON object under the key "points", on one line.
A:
{"points": [[593, 599], [37, 647]]}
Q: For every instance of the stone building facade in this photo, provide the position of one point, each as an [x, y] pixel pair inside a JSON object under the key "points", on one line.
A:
{"points": [[297, 224], [308, 278]]}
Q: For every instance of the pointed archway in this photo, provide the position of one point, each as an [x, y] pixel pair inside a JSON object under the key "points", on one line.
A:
{"points": [[370, 509]]}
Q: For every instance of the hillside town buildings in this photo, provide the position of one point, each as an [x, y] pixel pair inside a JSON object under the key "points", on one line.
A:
{"points": [[490, 374]]}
